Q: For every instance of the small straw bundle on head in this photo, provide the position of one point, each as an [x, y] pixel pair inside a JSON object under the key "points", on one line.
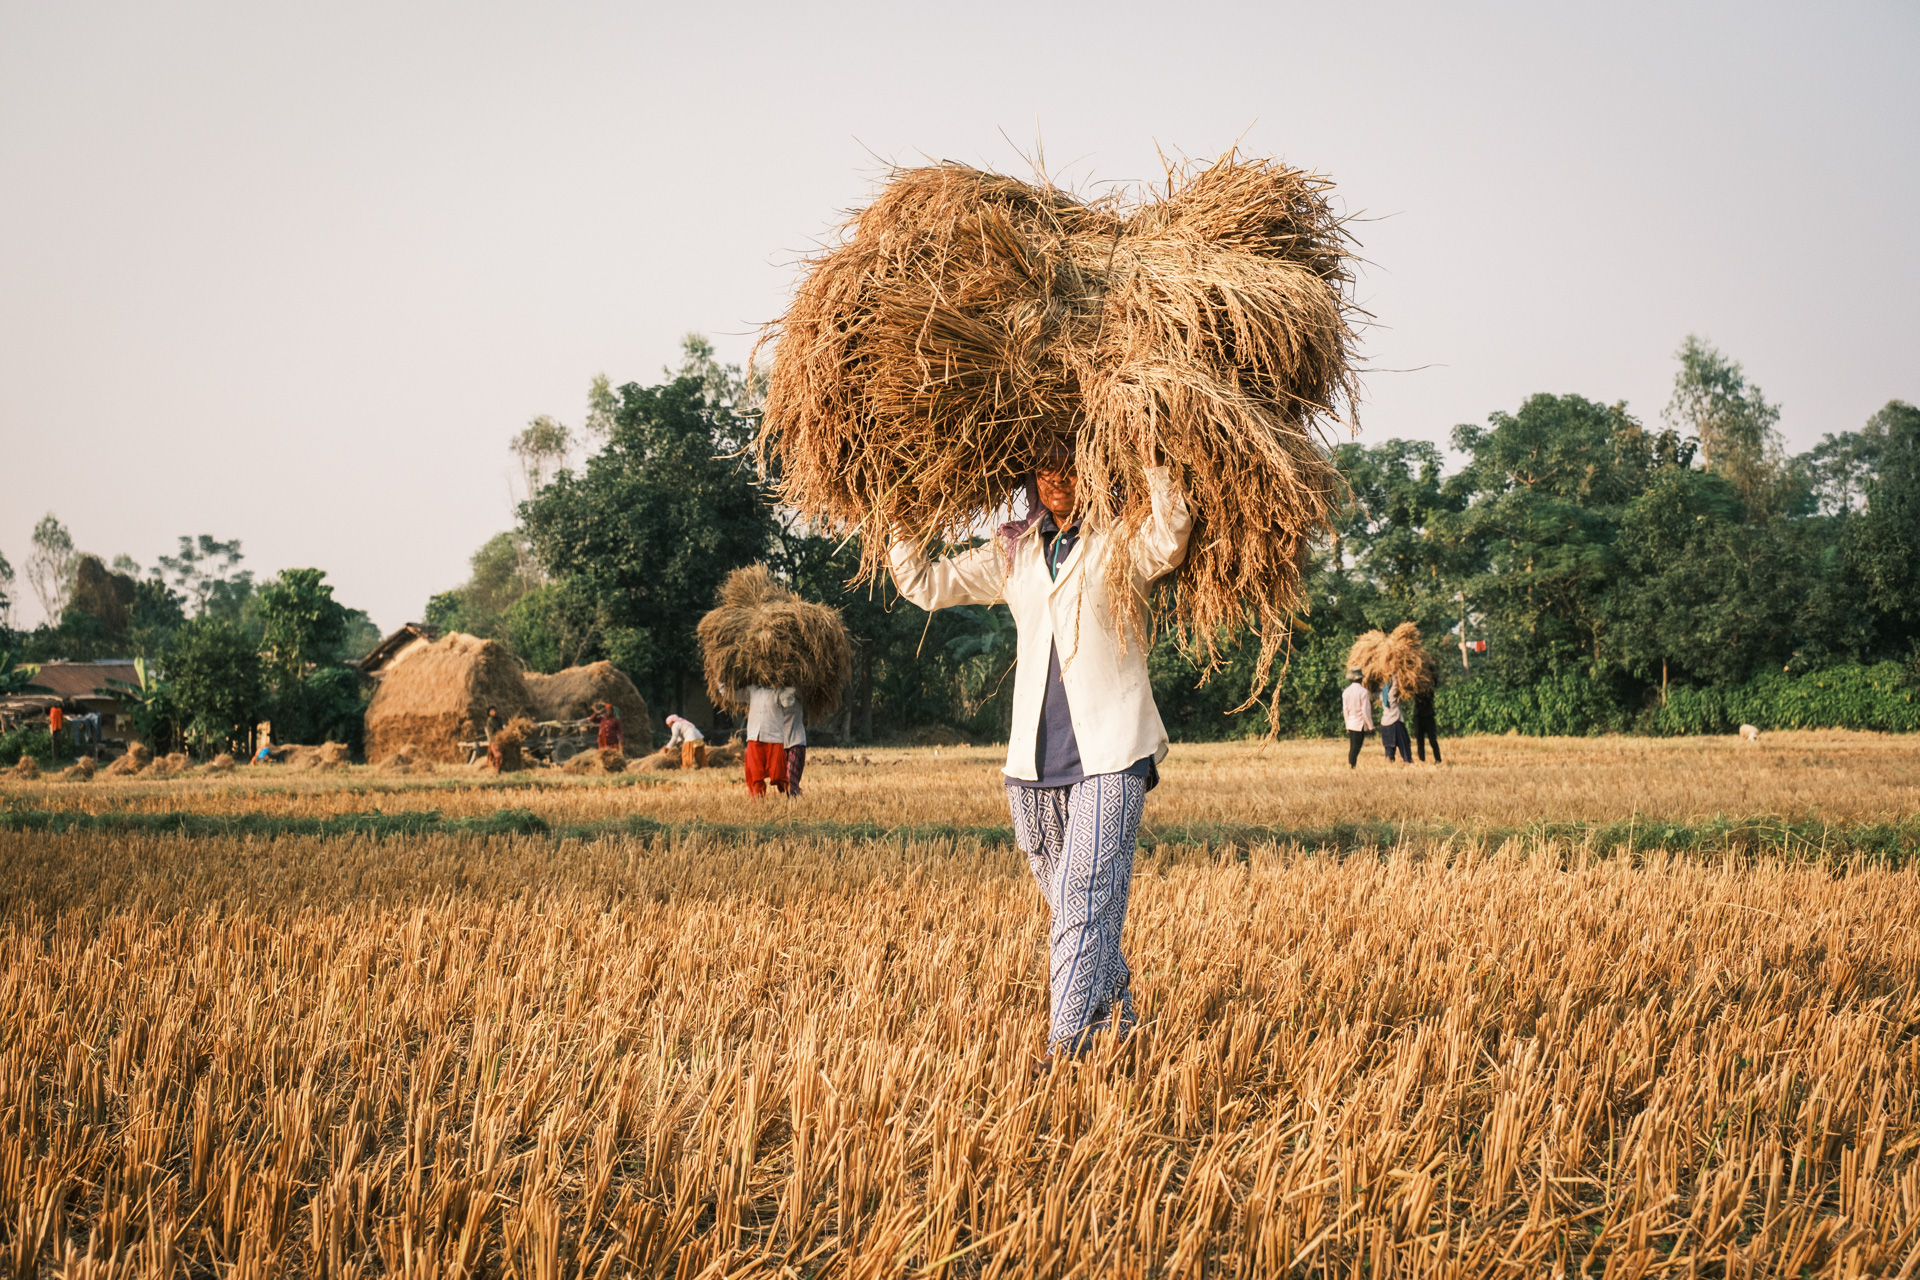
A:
{"points": [[1400, 657], [970, 323], [760, 632]]}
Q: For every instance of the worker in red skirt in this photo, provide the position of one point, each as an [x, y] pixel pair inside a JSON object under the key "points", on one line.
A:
{"points": [[771, 715]]}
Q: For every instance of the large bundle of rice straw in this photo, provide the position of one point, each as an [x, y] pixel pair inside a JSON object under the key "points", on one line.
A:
{"points": [[434, 696], [969, 323], [1400, 657], [760, 632], [570, 695]]}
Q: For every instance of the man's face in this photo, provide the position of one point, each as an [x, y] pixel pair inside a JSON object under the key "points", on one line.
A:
{"points": [[1056, 483]]}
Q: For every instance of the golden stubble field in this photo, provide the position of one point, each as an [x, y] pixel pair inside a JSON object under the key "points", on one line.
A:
{"points": [[736, 1046]]}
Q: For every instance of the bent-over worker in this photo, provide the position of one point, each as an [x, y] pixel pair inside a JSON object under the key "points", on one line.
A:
{"points": [[685, 734], [1086, 739]]}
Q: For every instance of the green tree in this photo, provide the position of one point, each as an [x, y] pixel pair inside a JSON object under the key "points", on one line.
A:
{"points": [[206, 571], [1883, 543], [158, 611], [502, 573], [1736, 426], [652, 524], [6, 595], [218, 688], [1541, 497], [50, 566], [302, 625]]}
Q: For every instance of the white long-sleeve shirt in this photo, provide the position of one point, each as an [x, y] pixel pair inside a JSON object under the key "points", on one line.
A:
{"points": [[1109, 694], [1357, 704], [683, 730], [775, 715]]}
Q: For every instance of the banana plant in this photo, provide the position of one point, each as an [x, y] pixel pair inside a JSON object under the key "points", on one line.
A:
{"points": [[17, 677], [146, 698]]}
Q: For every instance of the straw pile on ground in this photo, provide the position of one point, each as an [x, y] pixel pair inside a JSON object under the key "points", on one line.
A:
{"points": [[80, 770], [174, 762], [222, 763], [570, 695], [506, 745], [138, 757], [26, 769], [969, 323], [1400, 657], [434, 696], [405, 761], [760, 632], [326, 756], [600, 761]]}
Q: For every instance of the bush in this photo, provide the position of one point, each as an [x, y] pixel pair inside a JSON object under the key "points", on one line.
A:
{"points": [[1883, 697], [27, 740]]}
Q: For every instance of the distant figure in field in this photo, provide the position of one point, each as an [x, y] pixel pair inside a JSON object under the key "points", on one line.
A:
{"points": [[1425, 727], [607, 717], [1750, 733], [1357, 705], [685, 734], [493, 722], [770, 716], [1393, 726]]}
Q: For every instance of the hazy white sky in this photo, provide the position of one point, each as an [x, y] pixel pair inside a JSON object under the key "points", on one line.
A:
{"points": [[294, 274]]}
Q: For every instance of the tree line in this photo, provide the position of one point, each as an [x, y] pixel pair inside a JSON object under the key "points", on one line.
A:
{"points": [[1580, 570], [216, 650]]}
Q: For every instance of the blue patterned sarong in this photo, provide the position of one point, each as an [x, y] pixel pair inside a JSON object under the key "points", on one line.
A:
{"points": [[1080, 842]]}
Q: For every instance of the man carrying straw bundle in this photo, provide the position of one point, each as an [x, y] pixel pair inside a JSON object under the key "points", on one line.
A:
{"points": [[1086, 737], [778, 658]]}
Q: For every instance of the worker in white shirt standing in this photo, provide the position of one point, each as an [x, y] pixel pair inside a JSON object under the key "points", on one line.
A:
{"points": [[1357, 705]]}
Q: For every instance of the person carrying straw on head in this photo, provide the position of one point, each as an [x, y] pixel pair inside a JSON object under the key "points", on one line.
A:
{"points": [[1393, 725], [1356, 704], [770, 714], [1086, 738]]}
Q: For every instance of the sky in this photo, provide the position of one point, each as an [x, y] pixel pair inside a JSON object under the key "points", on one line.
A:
{"points": [[296, 274]]}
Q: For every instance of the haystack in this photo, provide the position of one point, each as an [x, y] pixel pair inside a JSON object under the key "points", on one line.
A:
{"points": [[506, 745], [138, 757], [80, 770], [1400, 657], [405, 761], [222, 763], [435, 696], [969, 323], [570, 695], [760, 632], [26, 769]]}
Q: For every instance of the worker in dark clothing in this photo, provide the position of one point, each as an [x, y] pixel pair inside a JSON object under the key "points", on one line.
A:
{"points": [[1425, 728], [493, 722]]}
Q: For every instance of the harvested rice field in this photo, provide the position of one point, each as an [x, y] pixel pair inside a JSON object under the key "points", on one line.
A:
{"points": [[1607, 1006]]}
